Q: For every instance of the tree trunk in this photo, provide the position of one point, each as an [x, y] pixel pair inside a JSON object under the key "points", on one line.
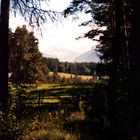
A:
{"points": [[4, 52], [135, 55]]}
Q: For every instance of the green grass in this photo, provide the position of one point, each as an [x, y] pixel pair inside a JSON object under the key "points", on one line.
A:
{"points": [[55, 116], [55, 93]]}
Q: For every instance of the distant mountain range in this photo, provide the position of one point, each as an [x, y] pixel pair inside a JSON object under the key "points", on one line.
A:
{"points": [[89, 56], [67, 55], [61, 53]]}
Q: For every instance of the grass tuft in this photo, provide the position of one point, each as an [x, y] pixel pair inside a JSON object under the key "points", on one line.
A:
{"points": [[48, 126]]}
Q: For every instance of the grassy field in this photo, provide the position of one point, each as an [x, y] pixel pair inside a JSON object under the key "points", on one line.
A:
{"points": [[61, 115], [66, 75], [56, 112], [63, 95]]}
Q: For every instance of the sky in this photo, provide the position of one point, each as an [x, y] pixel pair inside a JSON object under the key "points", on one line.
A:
{"points": [[57, 39]]}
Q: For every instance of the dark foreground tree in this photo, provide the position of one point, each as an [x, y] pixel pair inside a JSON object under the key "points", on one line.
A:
{"points": [[32, 12], [4, 51], [121, 46], [134, 76]]}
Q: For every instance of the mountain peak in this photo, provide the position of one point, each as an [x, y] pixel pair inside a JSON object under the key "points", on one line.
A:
{"points": [[89, 56]]}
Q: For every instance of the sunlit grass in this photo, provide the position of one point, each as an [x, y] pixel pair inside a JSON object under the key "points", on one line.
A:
{"points": [[53, 100], [45, 86], [38, 87], [66, 75]]}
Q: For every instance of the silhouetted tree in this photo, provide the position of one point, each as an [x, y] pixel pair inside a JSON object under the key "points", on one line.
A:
{"points": [[4, 51], [119, 46]]}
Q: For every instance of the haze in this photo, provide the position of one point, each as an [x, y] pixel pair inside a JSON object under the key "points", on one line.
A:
{"points": [[58, 38]]}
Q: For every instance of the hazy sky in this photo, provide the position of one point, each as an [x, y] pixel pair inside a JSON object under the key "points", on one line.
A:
{"points": [[60, 36]]}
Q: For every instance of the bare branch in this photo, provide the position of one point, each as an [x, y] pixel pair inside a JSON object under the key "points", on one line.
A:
{"points": [[33, 12]]}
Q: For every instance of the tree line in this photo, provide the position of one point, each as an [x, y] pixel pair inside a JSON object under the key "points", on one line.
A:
{"points": [[83, 68]]}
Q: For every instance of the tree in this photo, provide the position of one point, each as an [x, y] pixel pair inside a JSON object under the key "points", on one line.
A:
{"points": [[52, 64], [4, 52], [25, 59], [120, 47], [134, 75], [31, 10]]}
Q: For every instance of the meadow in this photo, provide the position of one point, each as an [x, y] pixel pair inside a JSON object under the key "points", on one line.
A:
{"points": [[67, 75], [59, 95], [55, 112]]}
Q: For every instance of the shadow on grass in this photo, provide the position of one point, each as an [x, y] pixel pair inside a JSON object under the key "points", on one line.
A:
{"points": [[86, 129], [68, 97], [85, 98]]}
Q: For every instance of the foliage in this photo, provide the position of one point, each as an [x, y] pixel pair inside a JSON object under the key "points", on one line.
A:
{"points": [[25, 59], [50, 126], [35, 14], [84, 68], [11, 124], [120, 47]]}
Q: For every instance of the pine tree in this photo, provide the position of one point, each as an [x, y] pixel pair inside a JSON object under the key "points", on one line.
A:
{"points": [[25, 59]]}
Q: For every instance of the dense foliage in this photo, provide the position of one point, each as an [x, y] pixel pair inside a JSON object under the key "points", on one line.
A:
{"points": [[120, 51], [25, 61]]}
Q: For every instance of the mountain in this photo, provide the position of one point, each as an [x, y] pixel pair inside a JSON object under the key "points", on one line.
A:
{"points": [[61, 53], [89, 56]]}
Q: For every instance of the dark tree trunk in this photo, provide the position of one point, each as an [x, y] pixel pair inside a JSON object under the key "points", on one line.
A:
{"points": [[117, 42], [118, 69], [134, 76], [134, 81], [4, 51]]}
